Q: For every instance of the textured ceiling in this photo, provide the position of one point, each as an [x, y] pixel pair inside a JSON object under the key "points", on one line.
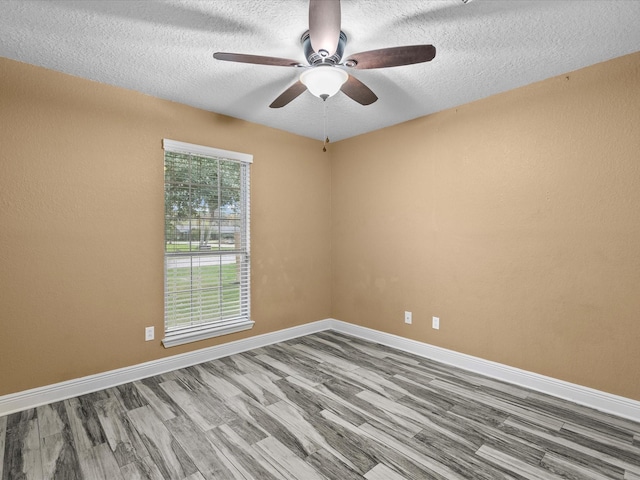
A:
{"points": [[164, 49]]}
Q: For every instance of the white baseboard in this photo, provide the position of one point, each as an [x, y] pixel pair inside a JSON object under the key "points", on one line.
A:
{"points": [[35, 397], [605, 402]]}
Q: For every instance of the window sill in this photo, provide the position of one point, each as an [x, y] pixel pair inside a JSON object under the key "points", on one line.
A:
{"points": [[173, 340]]}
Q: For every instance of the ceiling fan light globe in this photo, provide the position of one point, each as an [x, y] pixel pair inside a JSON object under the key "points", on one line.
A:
{"points": [[324, 81]]}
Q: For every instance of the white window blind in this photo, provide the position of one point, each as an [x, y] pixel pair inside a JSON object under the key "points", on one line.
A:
{"points": [[207, 248]]}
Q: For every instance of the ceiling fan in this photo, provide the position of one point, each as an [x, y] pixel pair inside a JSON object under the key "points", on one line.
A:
{"points": [[323, 46]]}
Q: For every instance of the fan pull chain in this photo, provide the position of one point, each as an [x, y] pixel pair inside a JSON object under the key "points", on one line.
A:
{"points": [[326, 137]]}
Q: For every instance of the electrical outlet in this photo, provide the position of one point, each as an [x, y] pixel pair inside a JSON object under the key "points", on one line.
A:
{"points": [[149, 334], [407, 317], [435, 323]]}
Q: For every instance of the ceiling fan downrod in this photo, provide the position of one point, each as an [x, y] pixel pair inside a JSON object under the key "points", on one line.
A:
{"points": [[316, 58]]}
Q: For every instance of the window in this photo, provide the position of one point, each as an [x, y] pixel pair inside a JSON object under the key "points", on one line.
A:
{"points": [[206, 254]]}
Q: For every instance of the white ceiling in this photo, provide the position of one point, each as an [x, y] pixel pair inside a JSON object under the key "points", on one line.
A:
{"points": [[165, 48]]}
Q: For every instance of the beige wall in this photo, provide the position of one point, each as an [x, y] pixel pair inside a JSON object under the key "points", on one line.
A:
{"points": [[81, 230], [515, 219]]}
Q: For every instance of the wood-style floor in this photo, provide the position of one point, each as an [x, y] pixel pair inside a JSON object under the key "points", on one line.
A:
{"points": [[322, 406]]}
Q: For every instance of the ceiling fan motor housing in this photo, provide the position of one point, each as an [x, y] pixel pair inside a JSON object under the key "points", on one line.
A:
{"points": [[316, 58]]}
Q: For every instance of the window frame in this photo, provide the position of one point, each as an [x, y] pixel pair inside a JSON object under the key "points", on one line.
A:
{"points": [[209, 329]]}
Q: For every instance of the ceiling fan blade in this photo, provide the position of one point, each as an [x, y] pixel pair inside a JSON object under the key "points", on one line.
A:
{"points": [[391, 57], [289, 94], [358, 91], [324, 25], [256, 59]]}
